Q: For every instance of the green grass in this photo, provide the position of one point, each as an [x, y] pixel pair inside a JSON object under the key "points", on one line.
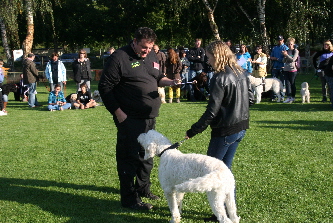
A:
{"points": [[60, 166]]}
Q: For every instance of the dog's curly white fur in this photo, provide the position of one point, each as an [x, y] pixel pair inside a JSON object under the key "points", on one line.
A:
{"points": [[180, 173], [273, 84], [305, 93], [96, 96]]}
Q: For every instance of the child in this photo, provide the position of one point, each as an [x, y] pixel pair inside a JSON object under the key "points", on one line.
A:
{"points": [[57, 100], [84, 98]]}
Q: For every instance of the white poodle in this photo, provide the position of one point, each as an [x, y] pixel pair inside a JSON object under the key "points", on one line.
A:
{"points": [[273, 84], [305, 93], [180, 173]]}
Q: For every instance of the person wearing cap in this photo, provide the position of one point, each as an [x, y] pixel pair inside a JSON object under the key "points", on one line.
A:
{"points": [[277, 57], [30, 78]]}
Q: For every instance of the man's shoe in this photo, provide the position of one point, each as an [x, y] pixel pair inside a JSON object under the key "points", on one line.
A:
{"points": [[150, 196], [324, 99], [141, 206], [211, 219]]}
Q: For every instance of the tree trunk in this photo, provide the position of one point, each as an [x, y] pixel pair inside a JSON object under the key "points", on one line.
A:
{"points": [[211, 19], [4, 40], [262, 21], [27, 43]]}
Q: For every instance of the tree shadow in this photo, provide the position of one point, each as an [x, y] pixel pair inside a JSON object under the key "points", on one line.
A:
{"points": [[78, 208]]}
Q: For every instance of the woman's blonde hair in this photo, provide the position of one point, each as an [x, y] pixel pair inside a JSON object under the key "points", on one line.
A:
{"points": [[329, 43], [290, 39], [223, 56]]}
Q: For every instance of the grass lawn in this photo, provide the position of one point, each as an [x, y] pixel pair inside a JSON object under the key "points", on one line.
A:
{"points": [[60, 166]]}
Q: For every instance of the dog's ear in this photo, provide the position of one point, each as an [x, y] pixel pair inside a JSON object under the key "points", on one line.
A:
{"points": [[151, 149]]}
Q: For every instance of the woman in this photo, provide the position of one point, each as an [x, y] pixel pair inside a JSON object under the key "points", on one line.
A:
{"points": [[55, 72], [227, 112], [84, 99], [184, 71], [290, 70], [173, 68], [244, 59], [57, 100], [329, 77], [259, 63], [81, 70], [323, 55]]}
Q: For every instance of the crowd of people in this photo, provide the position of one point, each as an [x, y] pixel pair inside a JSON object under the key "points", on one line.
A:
{"points": [[55, 73]]}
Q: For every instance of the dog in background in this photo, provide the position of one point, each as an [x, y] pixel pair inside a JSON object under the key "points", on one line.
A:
{"points": [[305, 93], [273, 84], [71, 98], [179, 173], [96, 96]]}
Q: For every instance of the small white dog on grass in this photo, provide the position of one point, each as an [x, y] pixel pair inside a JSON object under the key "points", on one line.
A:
{"points": [[305, 93], [273, 84], [179, 173]]}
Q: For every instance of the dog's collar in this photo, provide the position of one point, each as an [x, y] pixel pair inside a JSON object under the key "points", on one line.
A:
{"points": [[174, 146]]}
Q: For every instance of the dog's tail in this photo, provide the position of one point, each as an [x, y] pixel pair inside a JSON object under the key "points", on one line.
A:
{"points": [[208, 182]]}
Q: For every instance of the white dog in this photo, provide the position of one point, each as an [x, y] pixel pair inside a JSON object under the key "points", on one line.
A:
{"points": [[180, 173], [273, 84], [305, 92], [96, 96]]}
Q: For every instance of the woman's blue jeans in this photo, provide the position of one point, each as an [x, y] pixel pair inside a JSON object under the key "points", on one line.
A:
{"points": [[224, 147]]}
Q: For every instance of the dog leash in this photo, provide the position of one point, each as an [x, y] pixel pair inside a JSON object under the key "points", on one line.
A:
{"points": [[173, 146]]}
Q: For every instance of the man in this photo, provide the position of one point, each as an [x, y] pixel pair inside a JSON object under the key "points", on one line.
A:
{"points": [[161, 58], [30, 78], [277, 57], [196, 57], [229, 44], [55, 72], [128, 87]]}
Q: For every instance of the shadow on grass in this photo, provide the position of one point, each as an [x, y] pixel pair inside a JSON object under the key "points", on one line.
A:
{"points": [[298, 107], [77, 207], [299, 125]]}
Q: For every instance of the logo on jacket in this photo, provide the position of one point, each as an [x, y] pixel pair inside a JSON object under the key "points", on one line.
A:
{"points": [[136, 64]]}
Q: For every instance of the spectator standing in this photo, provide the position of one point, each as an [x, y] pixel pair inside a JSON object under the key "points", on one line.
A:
{"points": [[208, 69], [30, 78], [128, 87], [259, 63], [329, 77], [173, 68], [324, 55], [2, 77], [231, 47], [277, 57], [184, 71], [244, 59], [227, 112], [55, 72], [57, 100], [196, 56], [82, 70], [161, 58], [290, 70]]}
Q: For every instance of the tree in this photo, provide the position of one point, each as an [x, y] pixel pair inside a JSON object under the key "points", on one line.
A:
{"points": [[210, 14]]}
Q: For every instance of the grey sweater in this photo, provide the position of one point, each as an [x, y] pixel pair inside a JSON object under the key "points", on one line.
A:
{"points": [[290, 60]]}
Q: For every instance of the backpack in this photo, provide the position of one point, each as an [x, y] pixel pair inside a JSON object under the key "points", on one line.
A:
{"points": [[298, 60]]}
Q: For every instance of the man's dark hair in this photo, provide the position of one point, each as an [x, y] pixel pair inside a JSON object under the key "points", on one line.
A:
{"points": [[145, 33]]}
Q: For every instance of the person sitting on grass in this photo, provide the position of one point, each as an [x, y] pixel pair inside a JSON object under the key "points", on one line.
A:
{"points": [[57, 100], [84, 99]]}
